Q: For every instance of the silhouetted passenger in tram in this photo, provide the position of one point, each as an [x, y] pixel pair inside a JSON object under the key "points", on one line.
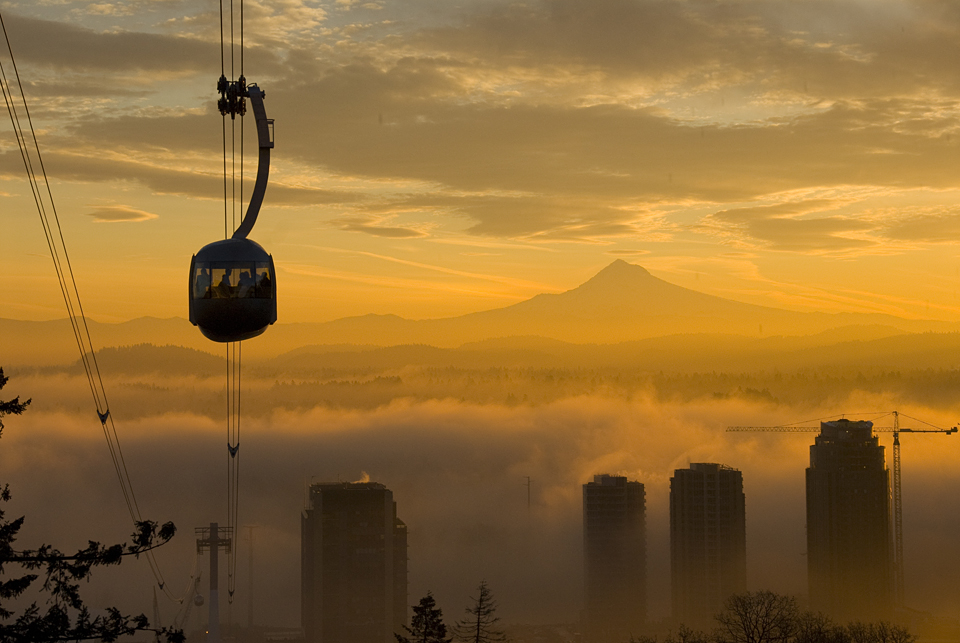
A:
{"points": [[266, 286], [224, 289], [246, 285], [201, 289]]}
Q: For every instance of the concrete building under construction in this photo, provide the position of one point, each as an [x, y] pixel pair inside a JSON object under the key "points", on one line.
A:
{"points": [[614, 557], [849, 558], [353, 564], [708, 541]]}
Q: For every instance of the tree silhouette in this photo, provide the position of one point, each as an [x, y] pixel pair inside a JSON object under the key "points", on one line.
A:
{"points": [[758, 617], [766, 617], [426, 626], [66, 618], [14, 406], [881, 632], [819, 628], [684, 635], [478, 626]]}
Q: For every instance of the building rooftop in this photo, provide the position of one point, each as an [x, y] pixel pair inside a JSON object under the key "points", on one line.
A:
{"points": [[607, 480], [710, 467], [846, 431], [347, 485]]}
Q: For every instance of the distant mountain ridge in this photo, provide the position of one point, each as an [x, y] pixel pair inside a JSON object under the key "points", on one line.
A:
{"points": [[842, 351], [621, 303]]}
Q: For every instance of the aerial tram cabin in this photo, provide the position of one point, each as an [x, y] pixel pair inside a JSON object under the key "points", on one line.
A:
{"points": [[233, 295], [233, 283]]}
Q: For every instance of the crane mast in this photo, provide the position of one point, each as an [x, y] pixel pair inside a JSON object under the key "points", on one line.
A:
{"points": [[898, 567]]}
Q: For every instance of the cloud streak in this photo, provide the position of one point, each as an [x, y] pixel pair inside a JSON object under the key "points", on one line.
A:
{"points": [[373, 226], [119, 214], [423, 107], [72, 47]]}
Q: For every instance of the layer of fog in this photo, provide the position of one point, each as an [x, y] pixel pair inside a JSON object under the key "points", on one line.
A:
{"points": [[457, 470]]}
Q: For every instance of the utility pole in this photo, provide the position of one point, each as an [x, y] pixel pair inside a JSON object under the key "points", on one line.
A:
{"points": [[528, 484], [209, 538]]}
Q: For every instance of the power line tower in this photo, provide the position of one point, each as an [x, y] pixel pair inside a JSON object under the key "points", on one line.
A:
{"points": [[897, 497], [209, 538]]}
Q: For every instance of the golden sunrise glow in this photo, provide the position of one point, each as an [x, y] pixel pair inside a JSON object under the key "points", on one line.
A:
{"points": [[517, 244], [455, 160]]}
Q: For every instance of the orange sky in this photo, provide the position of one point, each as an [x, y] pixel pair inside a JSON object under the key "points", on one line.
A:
{"points": [[435, 158]]}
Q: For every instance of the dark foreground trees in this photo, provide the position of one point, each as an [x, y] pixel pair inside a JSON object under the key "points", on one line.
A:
{"points": [[758, 617], [426, 626], [479, 626], [10, 407], [766, 617], [881, 632], [65, 617]]}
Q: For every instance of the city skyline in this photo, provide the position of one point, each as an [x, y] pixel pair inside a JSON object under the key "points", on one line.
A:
{"points": [[535, 571]]}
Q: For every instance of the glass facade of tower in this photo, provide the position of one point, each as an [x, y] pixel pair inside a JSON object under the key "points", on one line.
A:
{"points": [[849, 557], [708, 541], [353, 564], [615, 562]]}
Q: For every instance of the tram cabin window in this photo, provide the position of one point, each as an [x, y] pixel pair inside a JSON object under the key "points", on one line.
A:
{"points": [[232, 280]]}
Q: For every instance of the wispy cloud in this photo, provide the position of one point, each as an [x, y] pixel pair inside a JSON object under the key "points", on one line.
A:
{"points": [[119, 214], [374, 226], [510, 281], [401, 283]]}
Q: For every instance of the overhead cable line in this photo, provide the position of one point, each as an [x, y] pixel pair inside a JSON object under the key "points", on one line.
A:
{"points": [[233, 101], [53, 233], [190, 593]]}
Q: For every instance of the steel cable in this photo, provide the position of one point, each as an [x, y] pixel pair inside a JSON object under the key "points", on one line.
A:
{"points": [[69, 290]]}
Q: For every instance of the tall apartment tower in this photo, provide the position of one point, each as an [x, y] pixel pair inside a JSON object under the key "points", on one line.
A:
{"points": [[850, 567], [708, 541], [615, 559], [353, 564]]}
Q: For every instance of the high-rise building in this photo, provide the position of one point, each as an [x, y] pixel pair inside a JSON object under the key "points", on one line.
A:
{"points": [[615, 561], [708, 541], [850, 568], [353, 564]]}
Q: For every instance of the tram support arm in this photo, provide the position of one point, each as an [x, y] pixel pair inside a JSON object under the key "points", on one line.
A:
{"points": [[265, 139]]}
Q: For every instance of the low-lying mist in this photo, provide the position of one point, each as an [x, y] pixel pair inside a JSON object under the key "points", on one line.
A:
{"points": [[455, 452]]}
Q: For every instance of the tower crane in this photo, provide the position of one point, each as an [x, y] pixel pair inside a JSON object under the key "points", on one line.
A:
{"points": [[896, 429]]}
